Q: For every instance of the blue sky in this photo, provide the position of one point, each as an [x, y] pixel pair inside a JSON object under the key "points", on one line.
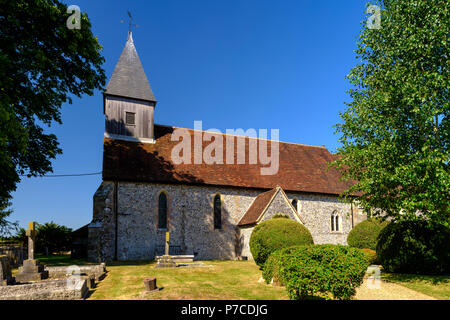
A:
{"points": [[230, 63]]}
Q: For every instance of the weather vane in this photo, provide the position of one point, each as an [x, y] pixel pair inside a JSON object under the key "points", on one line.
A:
{"points": [[130, 24]]}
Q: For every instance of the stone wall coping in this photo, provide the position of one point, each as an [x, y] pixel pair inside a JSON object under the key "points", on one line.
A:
{"points": [[45, 290]]}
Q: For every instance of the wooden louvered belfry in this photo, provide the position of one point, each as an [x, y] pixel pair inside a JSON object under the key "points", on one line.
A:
{"points": [[128, 100]]}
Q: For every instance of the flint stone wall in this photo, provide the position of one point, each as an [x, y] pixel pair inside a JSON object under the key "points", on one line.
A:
{"points": [[316, 211], [279, 205], [191, 223], [101, 231], [15, 253]]}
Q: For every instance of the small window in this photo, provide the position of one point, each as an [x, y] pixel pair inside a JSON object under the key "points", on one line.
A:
{"points": [[295, 204], [162, 211], [217, 212], [130, 118], [335, 222]]}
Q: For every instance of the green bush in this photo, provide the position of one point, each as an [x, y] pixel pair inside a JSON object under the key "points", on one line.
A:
{"points": [[271, 269], [322, 270], [418, 247], [364, 235], [54, 237], [274, 234], [371, 255]]}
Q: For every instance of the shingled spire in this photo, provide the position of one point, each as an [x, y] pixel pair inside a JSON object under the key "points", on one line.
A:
{"points": [[128, 101], [128, 79]]}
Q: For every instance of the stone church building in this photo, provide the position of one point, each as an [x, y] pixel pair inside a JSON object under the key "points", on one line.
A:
{"points": [[210, 210]]}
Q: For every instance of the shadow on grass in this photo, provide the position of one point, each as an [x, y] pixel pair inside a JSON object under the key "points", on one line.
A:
{"points": [[400, 277], [313, 298], [61, 260], [88, 295], [130, 263]]}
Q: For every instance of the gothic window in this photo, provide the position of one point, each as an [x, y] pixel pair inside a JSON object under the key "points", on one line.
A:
{"points": [[162, 211], [217, 212], [335, 222], [130, 118], [295, 204]]}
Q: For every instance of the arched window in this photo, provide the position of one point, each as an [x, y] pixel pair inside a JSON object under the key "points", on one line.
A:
{"points": [[217, 212], [295, 204], [162, 211], [335, 221]]}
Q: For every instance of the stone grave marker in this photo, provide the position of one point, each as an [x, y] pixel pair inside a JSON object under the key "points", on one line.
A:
{"points": [[5, 271], [31, 270], [166, 260]]}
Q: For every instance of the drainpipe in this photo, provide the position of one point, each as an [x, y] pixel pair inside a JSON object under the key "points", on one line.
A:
{"points": [[116, 217]]}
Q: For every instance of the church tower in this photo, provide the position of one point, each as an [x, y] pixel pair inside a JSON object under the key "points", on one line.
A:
{"points": [[128, 101]]}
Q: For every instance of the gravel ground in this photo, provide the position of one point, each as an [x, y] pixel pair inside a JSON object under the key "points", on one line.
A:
{"points": [[387, 291]]}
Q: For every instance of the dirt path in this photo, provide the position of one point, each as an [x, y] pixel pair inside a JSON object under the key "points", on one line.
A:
{"points": [[387, 291]]}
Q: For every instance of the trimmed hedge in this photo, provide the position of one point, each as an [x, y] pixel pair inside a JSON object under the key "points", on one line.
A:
{"points": [[365, 234], [308, 271], [275, 234], [271, 269], [371, 255], [419, 247]]}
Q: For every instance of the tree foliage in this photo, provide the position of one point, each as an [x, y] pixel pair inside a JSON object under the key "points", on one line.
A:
{"points": [[395, 131], [54, 237], [6, 227], [421, 247], [43, 64], [51, 236]]}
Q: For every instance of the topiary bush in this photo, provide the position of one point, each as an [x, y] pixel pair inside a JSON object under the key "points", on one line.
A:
{"points": [[275, 234], [418, 247], [364, 235], [371, 255], [322, 270]]}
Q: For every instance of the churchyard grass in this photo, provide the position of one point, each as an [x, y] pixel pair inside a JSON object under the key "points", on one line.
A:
{"points": [[435, 286], [233, 280]]}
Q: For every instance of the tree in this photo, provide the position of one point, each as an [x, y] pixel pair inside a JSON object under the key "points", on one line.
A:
{"points": [[53, 237], [43, 63], [6, 227], [21, 237], [395, 131]]}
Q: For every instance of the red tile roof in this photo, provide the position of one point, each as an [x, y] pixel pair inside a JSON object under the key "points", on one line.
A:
{"points": [[260, 205], [257, 207], [302, 168]]}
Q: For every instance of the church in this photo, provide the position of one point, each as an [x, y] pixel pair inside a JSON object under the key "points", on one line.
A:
{"points": [[209, 209]]}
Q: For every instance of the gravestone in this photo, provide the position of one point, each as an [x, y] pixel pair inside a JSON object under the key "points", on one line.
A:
{"points": [[31, 270], [166, 260], [5, 271]]}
